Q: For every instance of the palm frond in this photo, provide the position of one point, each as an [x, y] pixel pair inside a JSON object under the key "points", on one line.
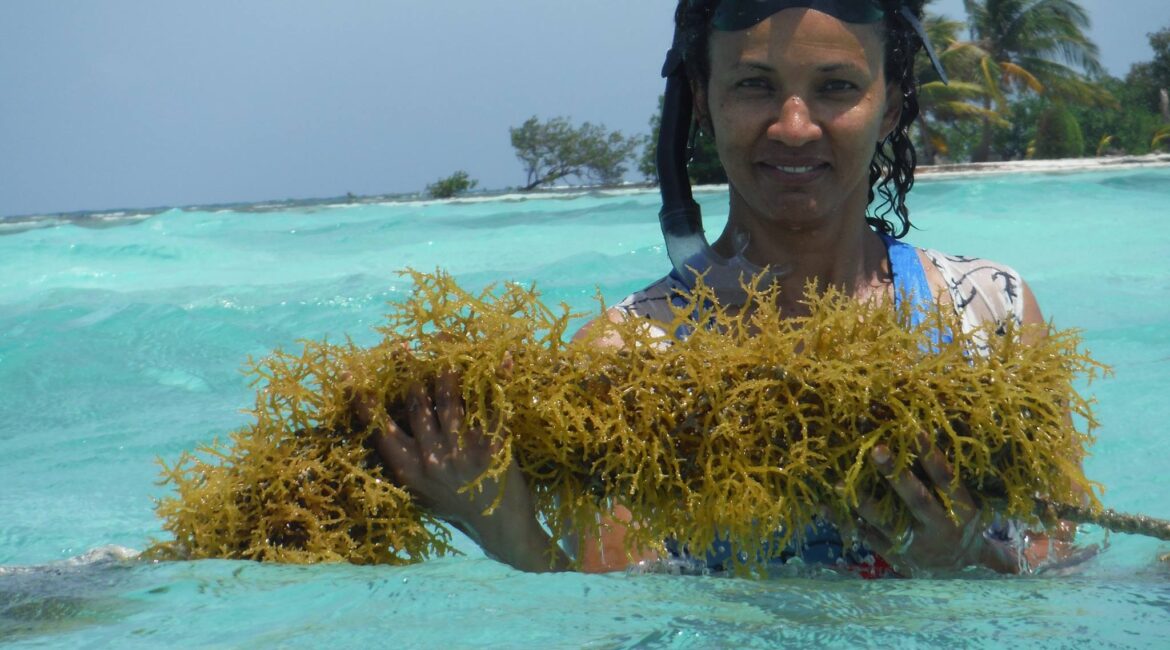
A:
{"points": [[991, 75], [1056, 30], [1105, 143], [1017, 75], [1160, 137], [960, 111], [936, 91]]}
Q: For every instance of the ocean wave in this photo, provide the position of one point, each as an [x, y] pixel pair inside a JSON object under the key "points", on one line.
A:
{"points": [[101, 556], [107, 219]]}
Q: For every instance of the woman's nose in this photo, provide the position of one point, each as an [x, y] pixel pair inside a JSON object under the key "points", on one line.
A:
{"points": [[795, 125]]}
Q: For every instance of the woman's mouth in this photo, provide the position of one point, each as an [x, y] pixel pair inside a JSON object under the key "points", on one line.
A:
{"points": [[795, 173], [796, 170]]}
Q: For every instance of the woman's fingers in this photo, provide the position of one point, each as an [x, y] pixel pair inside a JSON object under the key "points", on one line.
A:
{"points": [[935, 464], [423, 426], [918, 498], [363, 403], [400, 452], [872, 527], [365, 407], [449, 408], [468, 447]]}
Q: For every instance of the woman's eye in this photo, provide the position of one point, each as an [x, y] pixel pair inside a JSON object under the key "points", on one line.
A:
{"points": [[839, 85], [754, 84]]}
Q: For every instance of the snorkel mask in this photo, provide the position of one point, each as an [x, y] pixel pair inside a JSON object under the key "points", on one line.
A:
{"points": [[681, 218]]}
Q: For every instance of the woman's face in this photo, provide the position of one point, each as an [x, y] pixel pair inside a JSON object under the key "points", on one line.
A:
{"points": [[797, 104]]}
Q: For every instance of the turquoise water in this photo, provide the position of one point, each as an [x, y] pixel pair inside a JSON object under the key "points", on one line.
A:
{"points": [[122, 339]]}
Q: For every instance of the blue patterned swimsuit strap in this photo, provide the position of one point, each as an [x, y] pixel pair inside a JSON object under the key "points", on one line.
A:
{"points": [[909, 278]]}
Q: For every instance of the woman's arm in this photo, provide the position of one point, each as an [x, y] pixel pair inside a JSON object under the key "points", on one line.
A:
{"points": [[938, 540], [607, 551]]}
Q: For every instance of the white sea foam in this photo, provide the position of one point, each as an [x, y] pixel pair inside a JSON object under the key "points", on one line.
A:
{"points": [[103, 555]]}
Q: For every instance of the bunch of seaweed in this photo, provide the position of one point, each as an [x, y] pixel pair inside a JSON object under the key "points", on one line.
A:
{"points": [[745, 427]]}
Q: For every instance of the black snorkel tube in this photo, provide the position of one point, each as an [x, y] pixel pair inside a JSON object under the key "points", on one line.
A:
{"points": [[681, 218]]}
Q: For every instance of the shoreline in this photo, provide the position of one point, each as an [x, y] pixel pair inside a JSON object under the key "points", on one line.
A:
{"points": [[1061, 165], [922, 172], [115, 217]]}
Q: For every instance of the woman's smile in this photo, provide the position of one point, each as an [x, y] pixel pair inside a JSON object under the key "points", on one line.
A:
{"points": [[795, 172]]}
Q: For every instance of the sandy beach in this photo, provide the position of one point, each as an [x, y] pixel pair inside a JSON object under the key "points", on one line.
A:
{"points": [[1044, 166], [922, 172]]}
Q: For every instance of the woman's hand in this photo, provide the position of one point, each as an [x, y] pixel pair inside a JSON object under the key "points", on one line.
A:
{"points": [[436, 463], [938, 540]]}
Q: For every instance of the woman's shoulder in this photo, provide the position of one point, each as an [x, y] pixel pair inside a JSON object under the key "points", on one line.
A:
{"points": [[981, 290], [654, 301], [651, 304]]}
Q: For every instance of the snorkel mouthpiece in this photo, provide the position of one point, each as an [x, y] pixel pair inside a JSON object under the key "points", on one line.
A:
{"points": [[681, 218]]}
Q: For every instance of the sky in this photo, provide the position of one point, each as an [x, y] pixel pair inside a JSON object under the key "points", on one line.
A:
{"points": [[108, 104]]}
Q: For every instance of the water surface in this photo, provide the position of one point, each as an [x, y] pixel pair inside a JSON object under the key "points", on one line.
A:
{"points": [[124, 343]]}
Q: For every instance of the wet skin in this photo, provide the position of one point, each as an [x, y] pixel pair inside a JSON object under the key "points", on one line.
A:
{"points": [[797, 104]]}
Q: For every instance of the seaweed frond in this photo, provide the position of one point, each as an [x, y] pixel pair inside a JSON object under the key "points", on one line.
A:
{"points": [[744, 428]]}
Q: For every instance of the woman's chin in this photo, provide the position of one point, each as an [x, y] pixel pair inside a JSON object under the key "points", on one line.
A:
{"points": [[792, 217]]}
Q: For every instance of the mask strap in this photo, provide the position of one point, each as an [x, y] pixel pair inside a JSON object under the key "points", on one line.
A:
{"points": [[921, 32]]}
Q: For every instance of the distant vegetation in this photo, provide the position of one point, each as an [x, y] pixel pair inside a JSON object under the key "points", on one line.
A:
{"points": [[704, 167], [1028, 84], [452, 186], [555, 149]]}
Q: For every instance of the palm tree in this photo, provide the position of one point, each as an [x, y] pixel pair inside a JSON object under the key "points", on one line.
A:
{"points": [[1036, 46], [961, 100]]}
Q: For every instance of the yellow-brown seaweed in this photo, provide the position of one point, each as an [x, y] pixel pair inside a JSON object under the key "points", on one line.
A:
{"points": [[746, 427]]}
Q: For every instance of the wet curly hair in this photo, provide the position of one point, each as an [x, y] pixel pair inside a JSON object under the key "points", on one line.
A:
{"points": [[891, 172]]}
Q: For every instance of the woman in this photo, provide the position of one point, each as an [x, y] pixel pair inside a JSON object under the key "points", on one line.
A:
{"points": [[808, 102]]}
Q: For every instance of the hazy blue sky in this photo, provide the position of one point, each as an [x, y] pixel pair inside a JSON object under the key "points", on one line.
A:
{"points": [[138, 103]]}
